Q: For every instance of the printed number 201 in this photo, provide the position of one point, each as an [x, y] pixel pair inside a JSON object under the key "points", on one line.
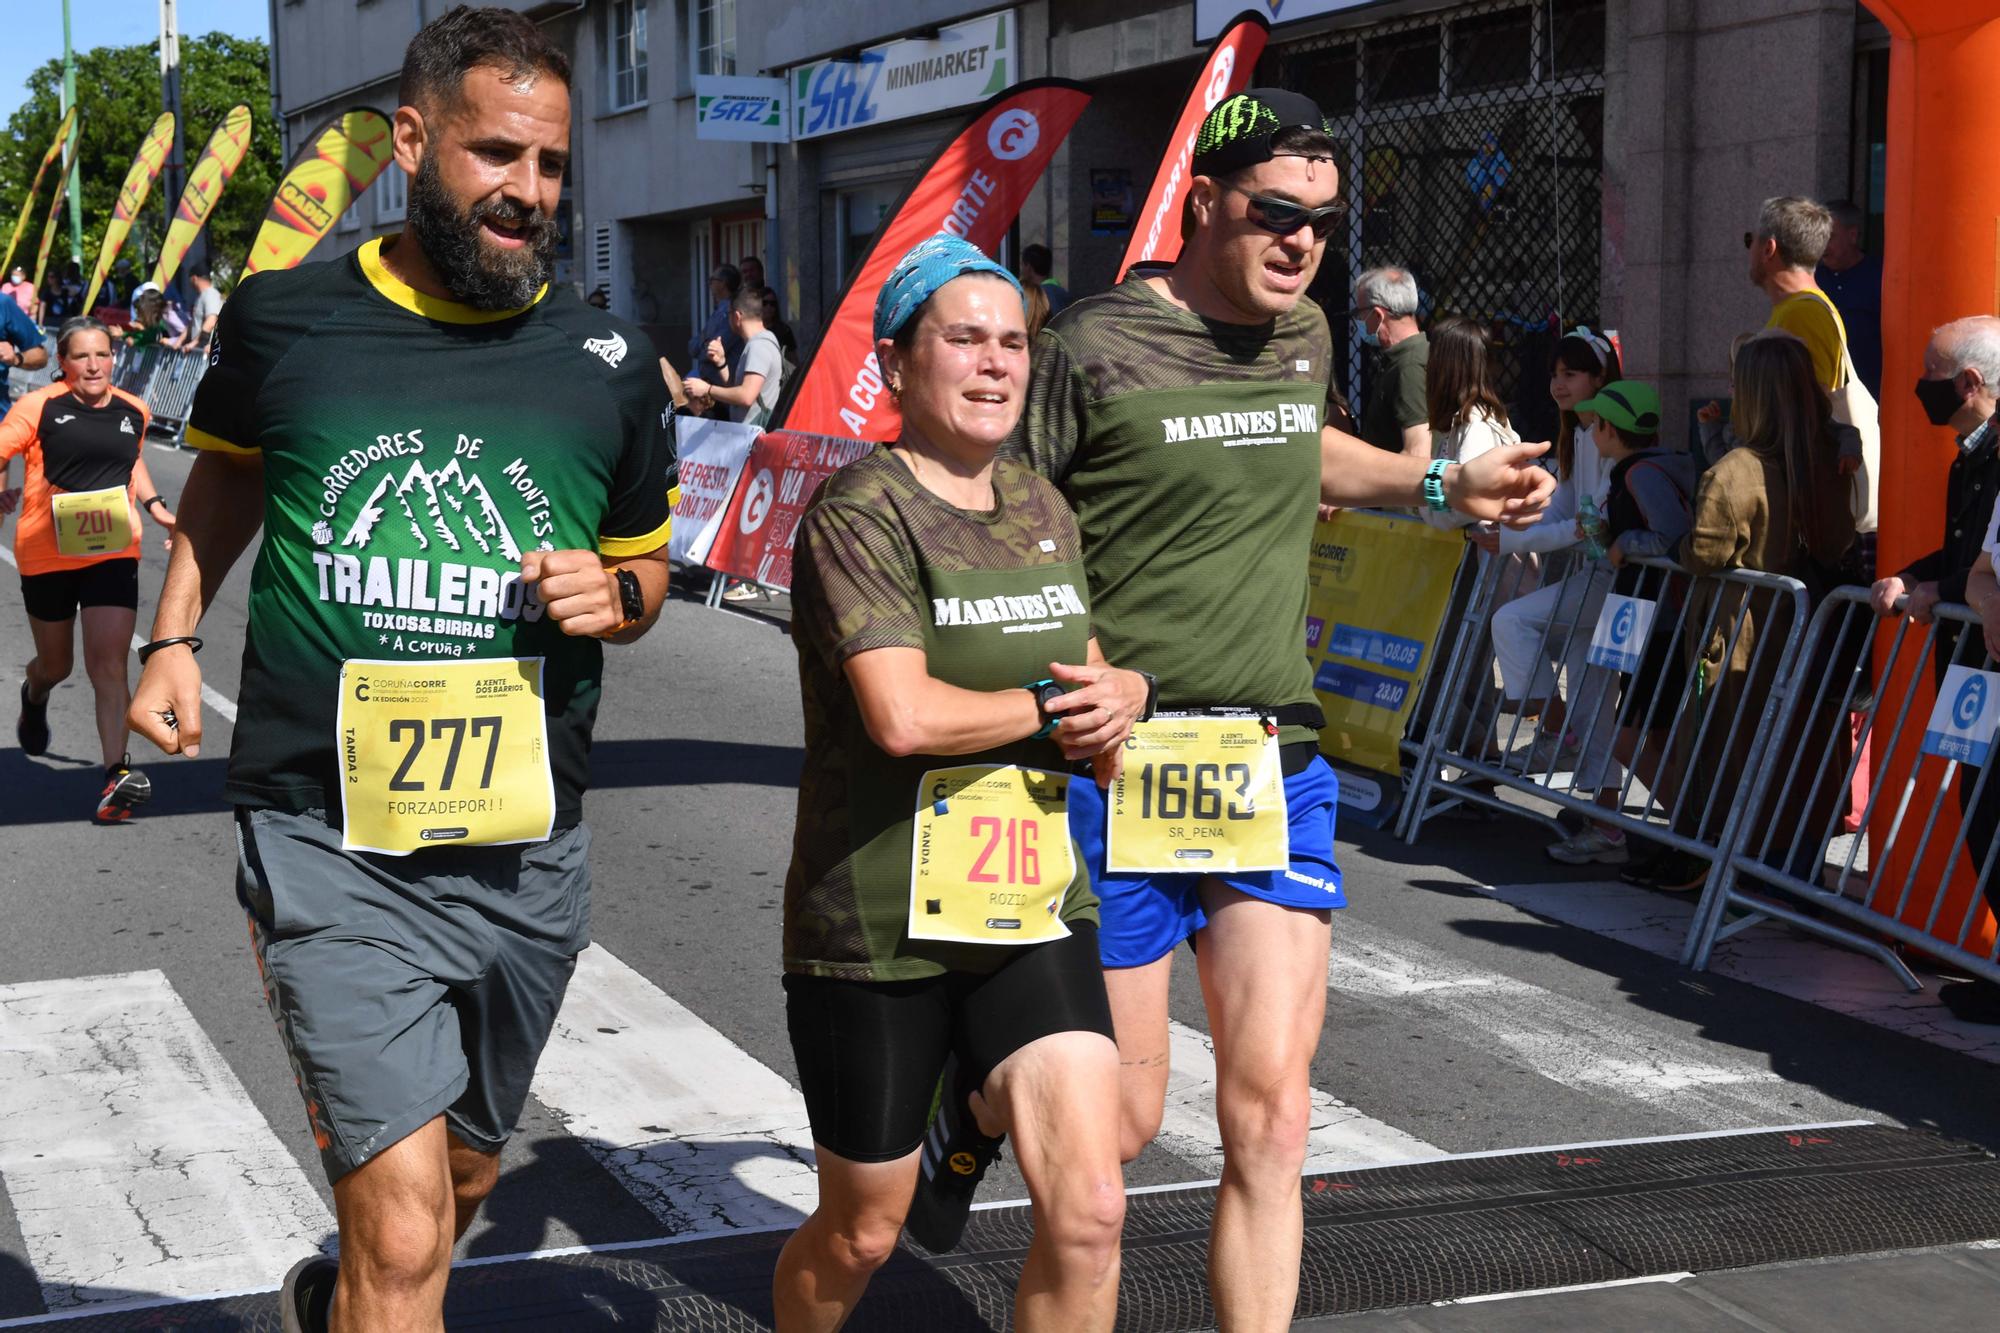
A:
{"points": [[442, 728], [1024, 860], [93, 523]]}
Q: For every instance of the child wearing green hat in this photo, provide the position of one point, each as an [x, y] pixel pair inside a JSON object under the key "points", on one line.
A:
{"points": [[1648, 508]]}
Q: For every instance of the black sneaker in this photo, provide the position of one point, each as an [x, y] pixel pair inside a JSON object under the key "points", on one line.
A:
{"points": [[306, 1300], [1675, 872], [1972, 1001], [954, 1159], [125, 790], [32, 728]]}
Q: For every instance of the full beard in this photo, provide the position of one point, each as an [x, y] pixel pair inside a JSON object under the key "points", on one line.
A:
{"points": [[475, 273]]}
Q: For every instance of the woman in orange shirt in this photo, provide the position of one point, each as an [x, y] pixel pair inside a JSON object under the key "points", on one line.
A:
{"points": [[77, 543]]}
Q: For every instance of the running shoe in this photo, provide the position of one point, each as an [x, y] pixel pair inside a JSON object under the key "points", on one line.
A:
{"points": [[1672, 872], [32, 728], [125, 790], [742, 592], [955, 1158], [1592, 846], [306, 1300]]}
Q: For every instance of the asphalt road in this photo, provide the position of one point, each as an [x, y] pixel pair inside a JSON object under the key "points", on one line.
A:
{"points": [[1459, 1020]]}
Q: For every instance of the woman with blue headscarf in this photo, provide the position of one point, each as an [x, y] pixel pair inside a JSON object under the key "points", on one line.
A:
{"points": [[940, 929]]}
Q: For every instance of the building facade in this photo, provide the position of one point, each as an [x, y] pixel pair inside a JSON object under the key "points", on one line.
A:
{"points": [[1535, 162]]}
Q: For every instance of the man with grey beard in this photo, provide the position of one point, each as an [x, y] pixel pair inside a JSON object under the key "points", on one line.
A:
{"points": [[461, 479]]}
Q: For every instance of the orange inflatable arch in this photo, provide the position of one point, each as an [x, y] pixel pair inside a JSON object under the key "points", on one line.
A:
{"points": [[1940, 261]]}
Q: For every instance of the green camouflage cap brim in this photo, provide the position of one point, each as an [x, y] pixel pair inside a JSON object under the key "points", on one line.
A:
{"points": [[1238, 132]]}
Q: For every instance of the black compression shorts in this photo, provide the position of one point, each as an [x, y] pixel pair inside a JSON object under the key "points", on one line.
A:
{"points": [[55, 596], [870, 1052]]}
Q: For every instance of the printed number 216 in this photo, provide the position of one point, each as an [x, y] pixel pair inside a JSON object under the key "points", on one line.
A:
{"points": [[1024, 860], [442, 728]]}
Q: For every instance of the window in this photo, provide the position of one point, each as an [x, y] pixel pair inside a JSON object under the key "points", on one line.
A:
{"points": [[714, 38], [351, 219], [627, 62], [392, 194]]}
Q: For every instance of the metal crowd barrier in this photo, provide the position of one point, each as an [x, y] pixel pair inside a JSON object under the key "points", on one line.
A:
{"points": [[164, 378], [1703, 737], [1453, 641], [1792, 817]]}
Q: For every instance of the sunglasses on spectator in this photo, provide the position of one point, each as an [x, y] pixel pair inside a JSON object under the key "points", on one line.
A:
{"points": [[1283, 217], [1749, 239]]}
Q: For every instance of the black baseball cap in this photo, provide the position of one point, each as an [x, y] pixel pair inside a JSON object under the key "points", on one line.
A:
{"points": [[1238, 132]]}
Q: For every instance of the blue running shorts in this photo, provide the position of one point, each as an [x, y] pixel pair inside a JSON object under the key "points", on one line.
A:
{"points": [[1145, 916]]}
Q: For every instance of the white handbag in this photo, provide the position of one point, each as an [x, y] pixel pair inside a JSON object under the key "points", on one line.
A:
{"points": [[1854, 406]]}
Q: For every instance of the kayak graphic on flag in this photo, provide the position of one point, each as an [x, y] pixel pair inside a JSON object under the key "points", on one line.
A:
{"points": [[56, 198], [973, 188], [1156, 235], [212, 170], [331, 171], [139, 179], [56, 147]]}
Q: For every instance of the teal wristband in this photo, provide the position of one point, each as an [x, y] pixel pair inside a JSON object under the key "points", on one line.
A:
{"points": [[1434, 485], [1044, 691]]}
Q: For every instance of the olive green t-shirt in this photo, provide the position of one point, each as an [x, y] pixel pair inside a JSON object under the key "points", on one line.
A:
{"points": [[991, 598], [1190, 450], [1398, 394]]}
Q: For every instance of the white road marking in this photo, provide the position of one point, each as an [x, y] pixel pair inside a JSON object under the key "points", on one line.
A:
{"points": [[700, 1132], [1563, 1039], [136, 1163], [1341, 1136], [219, 702]]}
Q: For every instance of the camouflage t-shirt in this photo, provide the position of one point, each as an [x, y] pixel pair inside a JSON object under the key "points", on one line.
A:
{"points": [[991, 598], [1190, 451]]}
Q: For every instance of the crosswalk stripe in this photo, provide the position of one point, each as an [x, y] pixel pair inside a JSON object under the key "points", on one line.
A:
{"points": [[1341, 1136], [136, 1162], [1564, 1039], [700, 1132]]}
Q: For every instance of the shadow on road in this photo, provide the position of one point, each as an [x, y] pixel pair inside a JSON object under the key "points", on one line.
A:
{"points": [[40, 792], [691, 763]]}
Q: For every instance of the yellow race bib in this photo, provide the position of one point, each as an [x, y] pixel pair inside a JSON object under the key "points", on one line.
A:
{"points": [[443, 753], [1199, 794], [92, 522], [990, 860]]}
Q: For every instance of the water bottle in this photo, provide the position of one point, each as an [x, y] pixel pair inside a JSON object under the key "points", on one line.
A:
{"points": [[1593, 526]]}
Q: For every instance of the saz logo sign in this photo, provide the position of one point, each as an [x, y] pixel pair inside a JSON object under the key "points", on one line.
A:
{"points": [[612, 349]]}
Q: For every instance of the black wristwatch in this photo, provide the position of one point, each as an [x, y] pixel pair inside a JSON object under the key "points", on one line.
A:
{"points": [[631, 601], [1046, 692], [1152, 694]]}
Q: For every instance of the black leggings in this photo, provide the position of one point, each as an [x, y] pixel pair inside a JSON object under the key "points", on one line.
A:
{"points": [[869, 1052]]}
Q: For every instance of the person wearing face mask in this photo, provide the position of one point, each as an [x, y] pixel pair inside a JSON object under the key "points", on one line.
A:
{"points": [[1396, 416], [1960, 389]]}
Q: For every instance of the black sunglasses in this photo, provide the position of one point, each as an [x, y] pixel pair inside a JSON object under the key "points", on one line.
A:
{"points": [[1284, 217]]}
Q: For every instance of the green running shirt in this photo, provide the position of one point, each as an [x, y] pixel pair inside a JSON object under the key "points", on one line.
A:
{"points": [[413, 449], [991, 598], [1190, 450]]}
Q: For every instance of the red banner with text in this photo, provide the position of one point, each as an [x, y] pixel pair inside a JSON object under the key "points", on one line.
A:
{"points": [[1156, 234], [974, 188], [754, 539]]}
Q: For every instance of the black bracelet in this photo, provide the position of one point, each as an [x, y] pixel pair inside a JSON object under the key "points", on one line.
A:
{"points": [[150, 501], [146, 650]]}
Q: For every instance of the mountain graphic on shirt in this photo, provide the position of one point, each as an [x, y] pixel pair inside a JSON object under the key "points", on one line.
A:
{"points": [[445, 507]]}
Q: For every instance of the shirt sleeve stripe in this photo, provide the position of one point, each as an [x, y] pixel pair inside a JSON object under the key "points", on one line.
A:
{"points": [[624, 546], [201, 439]]}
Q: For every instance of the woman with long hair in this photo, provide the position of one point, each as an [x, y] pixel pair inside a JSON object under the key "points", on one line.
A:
{"points": [[77, 543], [1776, 504], [1467, 417], [1553, 623]]}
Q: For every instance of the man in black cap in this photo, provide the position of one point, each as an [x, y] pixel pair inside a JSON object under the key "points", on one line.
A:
{"points": [[1183, 414]]}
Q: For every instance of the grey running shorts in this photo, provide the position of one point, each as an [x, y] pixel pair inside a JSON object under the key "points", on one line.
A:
{"points": [[407, 987]]}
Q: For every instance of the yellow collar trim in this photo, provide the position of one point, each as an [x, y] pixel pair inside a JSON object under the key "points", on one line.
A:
{"points": [[430, 307]]}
